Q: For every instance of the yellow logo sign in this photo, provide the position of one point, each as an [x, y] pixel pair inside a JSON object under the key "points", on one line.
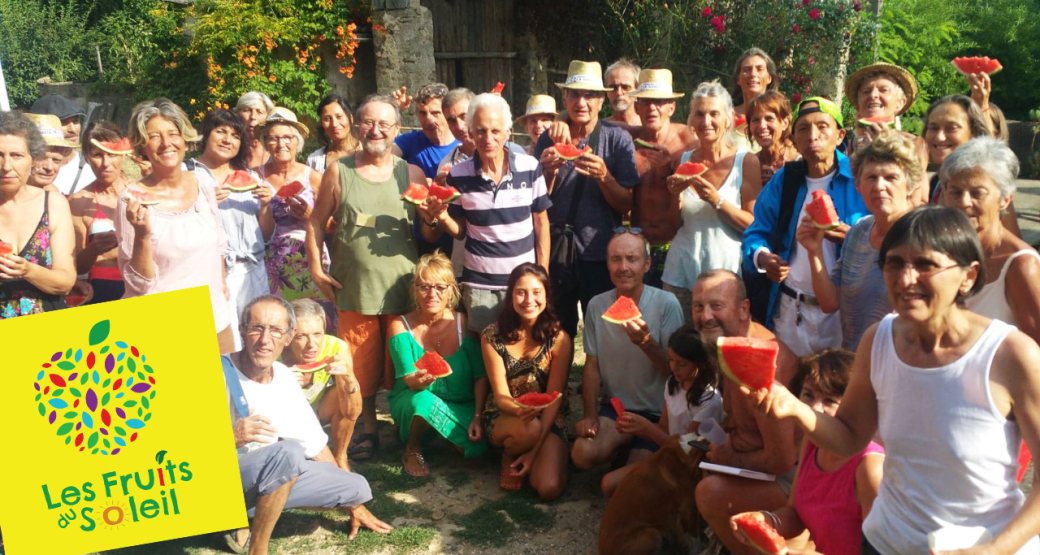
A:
{"points": [[128, 437]]}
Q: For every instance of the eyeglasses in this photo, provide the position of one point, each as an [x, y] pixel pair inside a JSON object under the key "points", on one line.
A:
{"points": [[622, 86], [287, 139], [383, 126], [628, 229], [425, 289], [256, 330], [587, 95], [923, 268]]}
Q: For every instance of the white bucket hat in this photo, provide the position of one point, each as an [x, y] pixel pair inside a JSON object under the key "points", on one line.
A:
{"points": [[584, 76]]}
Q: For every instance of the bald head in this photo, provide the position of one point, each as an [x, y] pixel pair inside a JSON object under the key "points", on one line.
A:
{"points": [[720, 305]]}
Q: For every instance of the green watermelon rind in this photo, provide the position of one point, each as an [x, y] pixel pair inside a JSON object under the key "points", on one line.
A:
{"points": [[719, 345], [454, 193], [809, 208], [865, 123], [310, 368], [413, 200], [550, 403], [570, 158], [103, 146], [614, 320], [645, 144], [243, 189]]}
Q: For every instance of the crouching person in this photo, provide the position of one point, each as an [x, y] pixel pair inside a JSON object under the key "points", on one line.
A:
{"points": [[283, 456]]}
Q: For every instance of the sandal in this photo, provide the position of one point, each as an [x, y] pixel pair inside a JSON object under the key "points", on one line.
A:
{"points": [[509, 482], [231, 539], [361, 452], [422, 462]]}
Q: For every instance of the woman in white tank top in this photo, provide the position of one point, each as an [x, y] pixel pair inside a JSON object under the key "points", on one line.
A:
{"points": [[979, 179], [933, 379]]}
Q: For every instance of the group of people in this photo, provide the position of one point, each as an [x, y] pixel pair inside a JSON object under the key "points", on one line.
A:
{"points": [[904, 395]]}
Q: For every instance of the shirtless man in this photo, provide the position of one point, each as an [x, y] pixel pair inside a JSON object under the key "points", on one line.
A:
{"points": [[721, 309], [659, 145]]}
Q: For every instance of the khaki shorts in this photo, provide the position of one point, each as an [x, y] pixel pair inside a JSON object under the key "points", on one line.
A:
{"points": [[366, 336], [482, 306]]}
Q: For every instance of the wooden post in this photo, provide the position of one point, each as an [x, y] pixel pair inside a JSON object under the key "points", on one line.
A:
{"points": [[97, 50]]}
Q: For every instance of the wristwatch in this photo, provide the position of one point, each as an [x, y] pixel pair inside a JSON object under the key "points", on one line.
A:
{"points": [[434, 223], [718, 204]]}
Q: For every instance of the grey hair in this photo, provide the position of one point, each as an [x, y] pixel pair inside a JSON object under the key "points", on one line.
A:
{"points": [[455, 96], [308, 308], [887, 77], [714, 89], [623, 63], [433, 91], [17, 125], [254, 99], [381, 99], [244, 319], [991, 156], [491, 102], [266, 128], [164, 108]]}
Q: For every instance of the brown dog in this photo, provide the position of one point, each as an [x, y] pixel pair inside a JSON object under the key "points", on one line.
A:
{"points": [[653, 504]]}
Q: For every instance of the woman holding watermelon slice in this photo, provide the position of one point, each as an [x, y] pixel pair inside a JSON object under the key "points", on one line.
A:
{"points": [[952, 394], [527, 351], [451, 405]]}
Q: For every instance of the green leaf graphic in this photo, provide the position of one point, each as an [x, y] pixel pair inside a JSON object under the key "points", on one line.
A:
{"points": [[99, 332]]}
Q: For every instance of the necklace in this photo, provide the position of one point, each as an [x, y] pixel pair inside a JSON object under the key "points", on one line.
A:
{"points": [[776, 162]]}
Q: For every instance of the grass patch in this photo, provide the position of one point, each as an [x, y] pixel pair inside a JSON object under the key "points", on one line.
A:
{"points": [[408, 539], [488, 524]]}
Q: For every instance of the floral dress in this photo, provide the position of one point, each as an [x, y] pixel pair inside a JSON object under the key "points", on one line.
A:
{"points": [[287, 269], [523, 376], [18, 297]]}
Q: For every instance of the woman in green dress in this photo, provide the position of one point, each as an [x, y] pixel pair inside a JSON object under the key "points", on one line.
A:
{"points": [[452, 405]]}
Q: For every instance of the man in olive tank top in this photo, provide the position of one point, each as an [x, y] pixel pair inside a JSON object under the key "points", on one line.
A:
{"points": [[373, 249]]}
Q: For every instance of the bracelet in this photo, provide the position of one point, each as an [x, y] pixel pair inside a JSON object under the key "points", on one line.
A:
{"points": [[433, 223], [718, 204], [772, 516]]}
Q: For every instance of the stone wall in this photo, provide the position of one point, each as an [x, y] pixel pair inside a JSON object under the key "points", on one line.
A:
{"points": [[403, 44]]}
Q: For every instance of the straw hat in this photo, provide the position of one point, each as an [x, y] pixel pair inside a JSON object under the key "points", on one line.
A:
{"points": [[896, 74], [655, 83], [539, 104], [584, 76], [50, 128], [282, 116]]}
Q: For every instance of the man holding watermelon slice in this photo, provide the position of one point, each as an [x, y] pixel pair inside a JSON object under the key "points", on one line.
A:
{"points": [[769, 244]]}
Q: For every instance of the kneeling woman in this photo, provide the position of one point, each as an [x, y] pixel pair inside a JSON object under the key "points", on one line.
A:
{"points": [[525, 352], [420, 401]]}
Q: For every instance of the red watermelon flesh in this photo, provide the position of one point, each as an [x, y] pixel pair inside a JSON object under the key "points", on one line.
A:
{"points": [[434, 364], [444, 194], [74, 300], [749, 361], [568, 151], [880, 120], [119, 148], [619, 407], [240, 182], [821, 210], [689, 170], [416, 193], [760, 535], [977, 64], [623, 310], [739, 120], [535, 400], [290, 190], [499, 87], [6, 248], [313, 366], [141, 196]]}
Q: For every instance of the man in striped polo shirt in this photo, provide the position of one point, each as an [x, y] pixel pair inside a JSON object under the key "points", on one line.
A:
{"points": [[501, 213]]}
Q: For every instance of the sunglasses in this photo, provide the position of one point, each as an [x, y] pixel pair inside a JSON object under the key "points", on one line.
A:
{"points": [[628, 229]]}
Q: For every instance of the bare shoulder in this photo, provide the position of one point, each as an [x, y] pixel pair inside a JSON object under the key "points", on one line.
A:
{"points": [[416, 174]]}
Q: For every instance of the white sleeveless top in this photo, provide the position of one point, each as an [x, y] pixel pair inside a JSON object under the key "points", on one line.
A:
{"points": [[681, 413], [705, 242], [951, 457], [991, 302]]}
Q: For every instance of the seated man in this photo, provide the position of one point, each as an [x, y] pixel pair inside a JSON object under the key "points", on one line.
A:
{"points": [[282, 453], [721, 309], [630, 360], [332, 391]]}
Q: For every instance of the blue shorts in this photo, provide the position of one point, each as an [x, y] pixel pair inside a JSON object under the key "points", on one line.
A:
{"points": [[608, 411]]}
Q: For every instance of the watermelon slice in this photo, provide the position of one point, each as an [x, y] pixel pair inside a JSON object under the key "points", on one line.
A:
{"points": [[976, 64], [240, 182], [739, 120], [290, 190], [434, 364], [499, 87], [760, 535], [141, 196], [444, 194], [119, 148], [6, 248], [416, 193], [619, 407], [821, 210], [312, 366], [749, 361], [689, 170], [865, 123], [536, 400], [570, 152], [75, 300], [645, 144], [623, 310]]}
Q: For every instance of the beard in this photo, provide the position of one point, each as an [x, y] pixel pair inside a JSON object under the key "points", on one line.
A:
{"points": [[621, 105], [376, 150]]}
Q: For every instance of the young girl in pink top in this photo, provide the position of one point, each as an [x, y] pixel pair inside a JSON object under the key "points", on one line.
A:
{"points": [[831, 495]]}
